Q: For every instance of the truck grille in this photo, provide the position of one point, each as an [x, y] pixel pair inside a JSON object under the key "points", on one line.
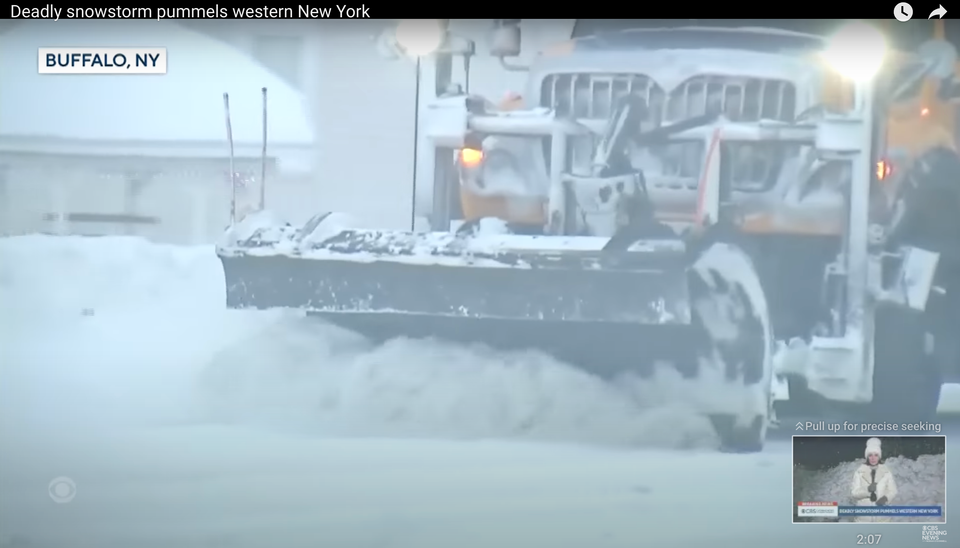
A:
{"points": [[755, 166], [739, 99]]}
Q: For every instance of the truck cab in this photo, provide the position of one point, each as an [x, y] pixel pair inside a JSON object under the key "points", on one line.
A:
{"points": [[605, 59], [788, 203]]}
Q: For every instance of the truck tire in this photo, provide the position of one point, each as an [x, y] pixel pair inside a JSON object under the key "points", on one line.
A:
{"points": [[729, 306], [906, 380]]}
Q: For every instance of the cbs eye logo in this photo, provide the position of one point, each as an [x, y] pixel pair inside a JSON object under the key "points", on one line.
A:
{"points": [[62, 490]]}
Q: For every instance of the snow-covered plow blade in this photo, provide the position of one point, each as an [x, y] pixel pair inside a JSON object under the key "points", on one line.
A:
{"points": [[605, 306], [567, 296]]}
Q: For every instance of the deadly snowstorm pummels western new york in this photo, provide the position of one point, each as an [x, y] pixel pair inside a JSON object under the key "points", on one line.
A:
{"points": [[304, 11]]}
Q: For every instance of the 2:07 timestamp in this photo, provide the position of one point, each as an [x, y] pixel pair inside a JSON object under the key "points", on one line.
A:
{"points": [[868, 540]]}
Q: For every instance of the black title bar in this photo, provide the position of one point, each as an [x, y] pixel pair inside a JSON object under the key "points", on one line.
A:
{"points": [[751, 13]]}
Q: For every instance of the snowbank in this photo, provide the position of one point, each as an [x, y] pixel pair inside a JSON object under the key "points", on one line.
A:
{"points": [[48, 274], [333, 382], [920, 482], [103, 332]]}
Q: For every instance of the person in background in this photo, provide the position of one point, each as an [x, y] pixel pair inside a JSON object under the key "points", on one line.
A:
{"points": [[873, 482]]}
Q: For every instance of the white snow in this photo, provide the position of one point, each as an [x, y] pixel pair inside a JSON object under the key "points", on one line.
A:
{"points": [[330, 225], [435, 248], [266, 367], [183, 424], [185, 104], [252, 224], [492, 226]]}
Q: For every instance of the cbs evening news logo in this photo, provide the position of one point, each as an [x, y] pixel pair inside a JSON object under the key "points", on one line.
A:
{"points": [[933, 533], [102, 60]]}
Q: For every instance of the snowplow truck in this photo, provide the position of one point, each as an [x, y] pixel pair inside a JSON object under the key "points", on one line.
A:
{"points": [[686, 187]]}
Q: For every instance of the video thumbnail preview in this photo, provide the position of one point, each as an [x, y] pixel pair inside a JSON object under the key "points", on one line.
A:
{"points": [[855, 479]]}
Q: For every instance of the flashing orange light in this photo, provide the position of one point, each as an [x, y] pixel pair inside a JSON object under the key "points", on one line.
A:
{"points": [[924, 111], [883, 170], [470, 157]]}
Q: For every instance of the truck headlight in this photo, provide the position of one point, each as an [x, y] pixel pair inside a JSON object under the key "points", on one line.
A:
{"points": [[857, 51], [420, 37]]}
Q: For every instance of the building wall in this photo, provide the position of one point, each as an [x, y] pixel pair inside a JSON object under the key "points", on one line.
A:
{"points": [[168, 199]]}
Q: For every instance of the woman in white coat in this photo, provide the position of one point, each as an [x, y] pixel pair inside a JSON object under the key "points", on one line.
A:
{"points": [[873, 483]]}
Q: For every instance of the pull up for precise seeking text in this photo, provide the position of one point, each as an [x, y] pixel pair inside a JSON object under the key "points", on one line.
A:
{"points": [[861, 427]]}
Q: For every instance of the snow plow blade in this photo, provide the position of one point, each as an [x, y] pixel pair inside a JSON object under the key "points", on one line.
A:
{"points": [[604, 305], [567, 296]]}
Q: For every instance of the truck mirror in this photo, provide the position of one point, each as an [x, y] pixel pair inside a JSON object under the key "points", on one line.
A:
{"points": [[505, 38]]}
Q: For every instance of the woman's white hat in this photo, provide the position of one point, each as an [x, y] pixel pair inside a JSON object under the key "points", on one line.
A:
{"points": [[873, 448]]}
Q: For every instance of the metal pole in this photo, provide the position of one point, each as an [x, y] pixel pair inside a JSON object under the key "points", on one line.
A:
{"points": [[233, 173], [263, 156], [416, 147], [859, 216]]}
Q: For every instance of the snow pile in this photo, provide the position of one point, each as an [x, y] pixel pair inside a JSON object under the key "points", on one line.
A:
{"points": [[333, 382], [105, 332], [71, 274], [249, 226], [160, 348], [920, 482], [324, 226]]}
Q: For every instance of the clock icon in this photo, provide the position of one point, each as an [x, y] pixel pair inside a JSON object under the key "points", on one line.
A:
{"points": [[903, 11]]}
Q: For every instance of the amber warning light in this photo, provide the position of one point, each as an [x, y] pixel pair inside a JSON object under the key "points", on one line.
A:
{"points": [[470, 157], [883, 170]]}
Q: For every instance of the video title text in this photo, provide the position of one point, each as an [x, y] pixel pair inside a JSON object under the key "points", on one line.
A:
{"points": [[301, 11]]}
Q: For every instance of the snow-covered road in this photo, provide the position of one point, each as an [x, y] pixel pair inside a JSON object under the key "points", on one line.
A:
{"points": [[186, 425]]}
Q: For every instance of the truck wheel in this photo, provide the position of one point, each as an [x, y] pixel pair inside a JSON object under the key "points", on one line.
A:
{"points": [[730, 309], [906, 380]]}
